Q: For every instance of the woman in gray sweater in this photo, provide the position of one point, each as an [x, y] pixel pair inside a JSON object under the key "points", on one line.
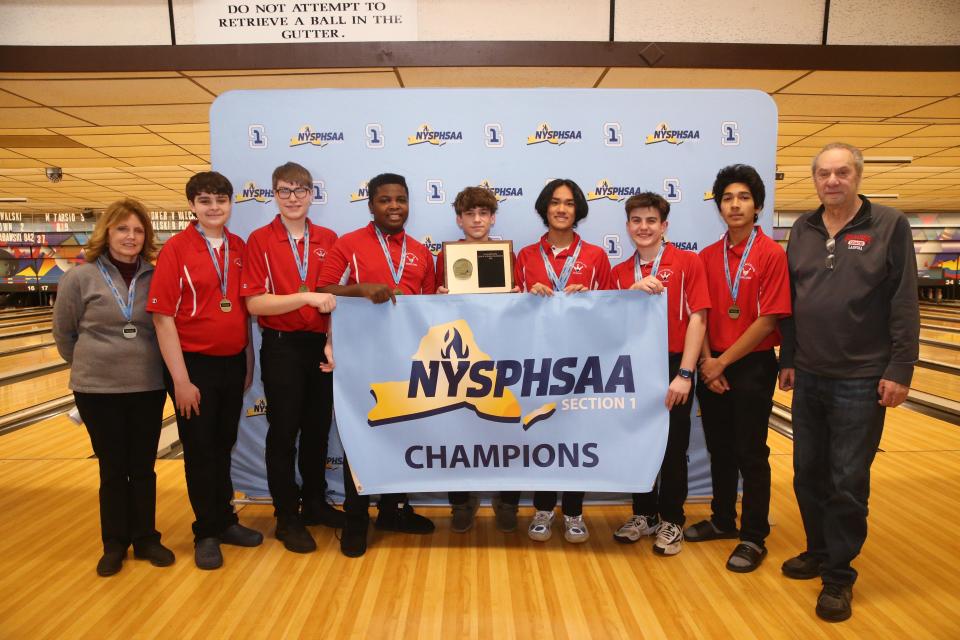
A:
{"points": [[102, 329]]}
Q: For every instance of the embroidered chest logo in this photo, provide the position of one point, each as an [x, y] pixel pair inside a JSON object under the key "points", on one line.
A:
{"points": [[320, 253], [578, 267], [664, 275], [747, 272], [412, 260], [858, 242]]}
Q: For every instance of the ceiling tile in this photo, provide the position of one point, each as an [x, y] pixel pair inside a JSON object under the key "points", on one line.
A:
{"points": [[120, 140], [949, 108], [58, 152], [646, 78], [35, 117], [878, 130], [98, 131], [142, 151], [77, 93], [15, 163], [152, 161], [384, 79], [199, 137], [142, 115], [849, 106], [878, 83], [179, 128]]}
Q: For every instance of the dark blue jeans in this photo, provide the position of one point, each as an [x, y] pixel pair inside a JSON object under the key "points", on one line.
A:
{"points": [[837, 424]]}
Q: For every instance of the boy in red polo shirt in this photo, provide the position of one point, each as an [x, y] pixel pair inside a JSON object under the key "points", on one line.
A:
{"points": [[749, 291], [203, 330], [476, 209], [561, 262], [657, 266], [379, 262], [279, 278]]}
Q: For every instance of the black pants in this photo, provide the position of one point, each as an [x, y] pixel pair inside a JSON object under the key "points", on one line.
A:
{"points": [[299, 402], [735, 427], [571, 502], [462, 497], [356, 506], [670, 491], [208, 438], [124, 430]]}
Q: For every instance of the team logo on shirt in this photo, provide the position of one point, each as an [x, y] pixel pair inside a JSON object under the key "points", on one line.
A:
{"points": [[250, 191], [312, 136], [747, 271], [607, 190], [665, 133], [320, 253], [664, 275], [412, 260], [426, 134], [857, 241], [545, 133], [578, 267], [502, 193], [449, 371], [432, 247], [362, 193]]}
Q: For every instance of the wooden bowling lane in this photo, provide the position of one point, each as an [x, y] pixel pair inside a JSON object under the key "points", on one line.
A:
{"points": [[36, 339], [9, 331], [938, 383], [940, 354], [22, 395], [28, 359], [940, 336]]}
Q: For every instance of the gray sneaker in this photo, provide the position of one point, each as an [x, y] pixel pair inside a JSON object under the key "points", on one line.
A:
{"points": [[505, 514], [635, 528], [669, 539], [575, 529], [462, 520], [539, 528]]}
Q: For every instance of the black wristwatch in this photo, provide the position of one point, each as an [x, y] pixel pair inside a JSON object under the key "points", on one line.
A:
{"points": [[686, 374]]}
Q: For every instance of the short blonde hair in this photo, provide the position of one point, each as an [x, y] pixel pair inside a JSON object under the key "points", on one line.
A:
{"points": [[116, 213]]}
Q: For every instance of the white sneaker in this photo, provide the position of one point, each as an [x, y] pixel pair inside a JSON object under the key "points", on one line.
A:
{"points": [[575, 529], [669, 539], [539, 528], [636, 527]]}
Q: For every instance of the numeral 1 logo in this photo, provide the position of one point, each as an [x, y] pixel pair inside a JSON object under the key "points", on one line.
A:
{"points": [[435, 194], [319, 192], [612, 136], [257, 135], [731, 134], [611, 243], [374, 136], [671, 190], [493, 135]]}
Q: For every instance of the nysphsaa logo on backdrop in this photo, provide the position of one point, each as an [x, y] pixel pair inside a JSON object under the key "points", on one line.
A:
{"points": [[501, 193], [426, 134], [251, 192], [361, 194], [665, 133], [608, 190], [545, 133], [313, 136]]}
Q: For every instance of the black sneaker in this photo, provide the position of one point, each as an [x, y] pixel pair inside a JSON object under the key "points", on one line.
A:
{"points": [[110, 563], [206, 554], [294, 535], [156, 553], [353, 540], [241, 536], [802, 567], [322, 513], [404, 520], [834, 602], [706, 530]]}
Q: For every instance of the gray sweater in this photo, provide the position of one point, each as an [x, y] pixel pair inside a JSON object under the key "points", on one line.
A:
{"points": [[87, 327]]}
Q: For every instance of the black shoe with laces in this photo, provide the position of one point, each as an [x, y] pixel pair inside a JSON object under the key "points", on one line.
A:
{"points": [[802, 567], [834, 602], [322, 513], [294, 535]]}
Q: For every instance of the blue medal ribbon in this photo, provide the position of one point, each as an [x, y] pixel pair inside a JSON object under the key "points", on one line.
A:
{"points": [[637, 273], [302, 265], [559, 284], [222, 275], [396, 273], [125, 308], [734, 286]]}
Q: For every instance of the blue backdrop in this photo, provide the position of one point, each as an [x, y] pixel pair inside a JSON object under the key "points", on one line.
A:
{"points": [[611, 142]]}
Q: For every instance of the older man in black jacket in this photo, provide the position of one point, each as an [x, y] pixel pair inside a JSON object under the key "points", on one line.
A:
{"points": [[848, 353]]}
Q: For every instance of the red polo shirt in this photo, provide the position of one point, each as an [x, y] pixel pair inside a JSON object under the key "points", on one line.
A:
{"points": [[441, 276], [185, 285], [681, 273], [592, 268], [764, 290], [270, 268], [360, 255]]}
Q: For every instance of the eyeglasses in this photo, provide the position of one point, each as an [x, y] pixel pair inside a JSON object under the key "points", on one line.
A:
{"points": [[285, 192], [831, 255]]}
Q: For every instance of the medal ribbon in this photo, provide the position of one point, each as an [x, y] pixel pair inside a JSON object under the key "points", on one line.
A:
{"points": [[734, 286], [302, 265], [637, 273], [222, 275], [559, 284], [396, 273], [125, 309]]}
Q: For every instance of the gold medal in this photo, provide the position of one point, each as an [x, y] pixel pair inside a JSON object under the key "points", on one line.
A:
{"points": [[302, 288], [462, 269], [733, 312], [226, 306]]}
